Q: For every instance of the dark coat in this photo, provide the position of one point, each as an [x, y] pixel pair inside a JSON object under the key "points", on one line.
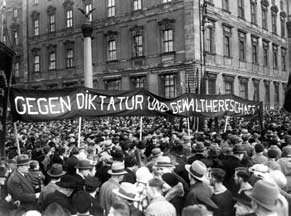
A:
{"points": [[21, 189]]}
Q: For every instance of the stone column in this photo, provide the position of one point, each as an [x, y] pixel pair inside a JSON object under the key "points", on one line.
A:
{"points": [[88, 69]]}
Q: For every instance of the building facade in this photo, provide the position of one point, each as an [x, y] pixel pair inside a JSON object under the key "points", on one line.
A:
{"points": [[167, 46]]}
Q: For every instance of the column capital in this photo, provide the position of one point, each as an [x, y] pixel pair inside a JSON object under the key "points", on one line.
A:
{"points": [[87, 29]]}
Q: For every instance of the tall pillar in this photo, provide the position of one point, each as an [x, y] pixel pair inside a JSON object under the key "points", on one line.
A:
{"points": [[88, 69]]}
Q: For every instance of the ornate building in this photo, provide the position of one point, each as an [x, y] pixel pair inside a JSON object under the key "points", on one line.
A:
{"points": [[167, 46]]}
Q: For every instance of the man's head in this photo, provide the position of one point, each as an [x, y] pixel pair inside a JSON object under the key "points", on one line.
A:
{"points": [[22, 162], [216, 176], [85, 168], [241, 175], [117, 170], [154, 188]]}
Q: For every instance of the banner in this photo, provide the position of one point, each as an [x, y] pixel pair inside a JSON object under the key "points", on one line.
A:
{"points": [[47, 105], [6, 59]]}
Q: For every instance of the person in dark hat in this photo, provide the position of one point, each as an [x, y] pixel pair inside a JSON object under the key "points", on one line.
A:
{"points": [[131, 166], [72, 161], [35, 176], [200, 192], [20, 187], [85, 168], [66, 186], [55, 173], [198, 152], [106, 196], [82, 203], [272, 160], [92, 185], [231, 162], [221, 195]]}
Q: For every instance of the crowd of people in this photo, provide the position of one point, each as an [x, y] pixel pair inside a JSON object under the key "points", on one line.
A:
{"points": [[237, 169]]}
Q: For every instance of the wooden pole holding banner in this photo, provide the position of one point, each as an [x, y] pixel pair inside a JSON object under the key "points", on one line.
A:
{"points": [[140, 129], [188, 124], [79, 132], [226, 123], [16, 138]]}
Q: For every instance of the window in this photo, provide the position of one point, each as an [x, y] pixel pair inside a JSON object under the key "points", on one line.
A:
{"points": [[227, 41], [228, 86], [111, 8], [113, 85], [256, 96], [70, 58], [52, 61], [15, 38], [4, 39], [112, 50], [264, 17], [69, 18], [137, 45], [88, 7], [282, 20], [209, 38], [36, 27], [267, 93], [253, 12], [35, 2], [16, 69], [225, 5], [52, 23], [274, 23], [211, 83], [170, 85], [15, 12], [276, 94], [166, 1], [243, 88], [242, 46], [265, 53], [138, 82], [241, 12], [137, 5], [168, 41], [36, 64], [283, 56], [275, 56], [254, 50]]}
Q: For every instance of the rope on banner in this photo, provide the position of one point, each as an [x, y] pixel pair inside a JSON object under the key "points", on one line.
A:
{"points": [[16, 138], [140, 129], [79, 133]]}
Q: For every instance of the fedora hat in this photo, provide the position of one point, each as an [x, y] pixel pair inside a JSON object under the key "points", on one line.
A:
{"points": [[22, 160], [156, 152], [164, 161], [238, 149], [127, 191], [84, 165], [56, 170], [197, 170], [265, 194], [117, 168], [67, 181], [198, 147]]}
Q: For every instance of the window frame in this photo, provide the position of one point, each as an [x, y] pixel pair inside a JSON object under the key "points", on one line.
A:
{"points": [[225, 5], [227, 41], [52, 61], [36, 64], [137, 5], [265, 17], [69, 18], [89, 7], [242, 39], [274, 22], [275, 56], [241, 9], [255, 50], [112, 53], [284, 59], [36, 26], [111, 8], [52, 25], [170, 85], [265, 53], [209, 34], [254, 12], [168, 40], [70, 57]]}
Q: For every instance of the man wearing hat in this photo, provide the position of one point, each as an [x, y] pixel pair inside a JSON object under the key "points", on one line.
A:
{"points": [[230, 163], [200, 192], [198, 150], [55, 173], [106, 195], [82, 203], [92, 185], [66, 187], [19, 186], [265, 197], [85, 168], [128, 193]]}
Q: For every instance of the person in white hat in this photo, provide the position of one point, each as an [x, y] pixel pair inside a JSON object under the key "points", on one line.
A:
{"points": [[106, 195], [128, 193], [200, 191]]}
